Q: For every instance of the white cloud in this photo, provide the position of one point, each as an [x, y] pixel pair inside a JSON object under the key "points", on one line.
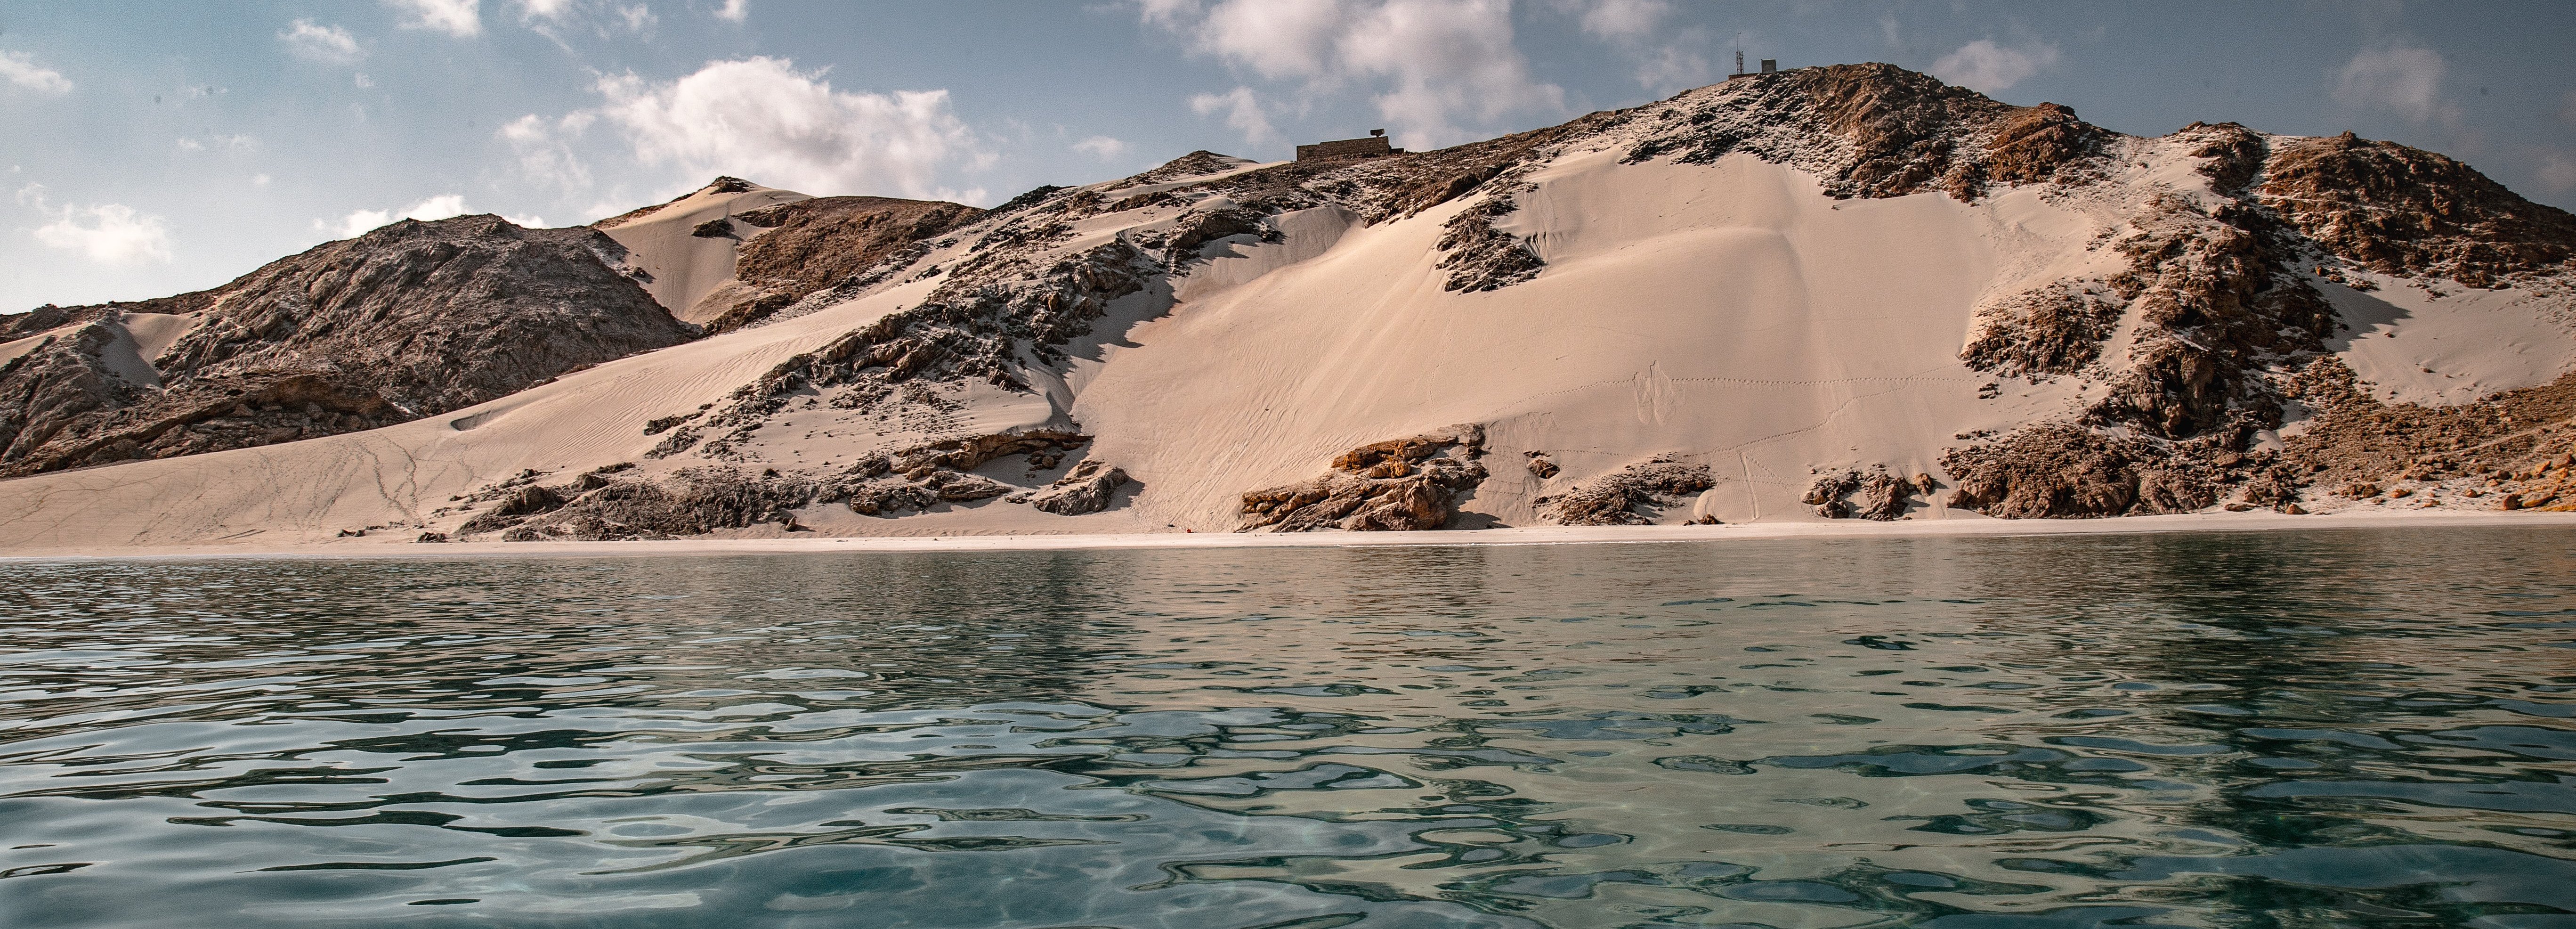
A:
{"points": [[546, 17], [23, 72], [1987, 67], [1101, 147], [259, 180], [762, 119], [2558, 174], [1437, 61], [360, 222], [1242, 110], [735, 10], [2401, 78], [363, 81], [330, 44], [459, 18], [110, 233], [544, 153]]}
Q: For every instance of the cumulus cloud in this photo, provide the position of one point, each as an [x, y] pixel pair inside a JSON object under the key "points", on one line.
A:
{"points": [[1987, 67], [735, 10], [459, 18], [544, 149], [360, 222], [111, 233], [1242, 109], [329, 44], [21, 71], [1435, 62], [761, 118], [1101, 147], [2400, 78]]}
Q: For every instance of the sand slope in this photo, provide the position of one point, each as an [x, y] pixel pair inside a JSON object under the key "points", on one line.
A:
{"points": [[1733, 314]]}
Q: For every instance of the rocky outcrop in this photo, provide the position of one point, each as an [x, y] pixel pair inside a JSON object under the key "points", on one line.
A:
{"points": [[1406, 484], [1882, 496], [2061, 470], [1898, 132], [413, 319], [2053, 329], [599, 506], [2506, 451], [1632, 496], [2408, 212], [811, 245], [1086, 488]]}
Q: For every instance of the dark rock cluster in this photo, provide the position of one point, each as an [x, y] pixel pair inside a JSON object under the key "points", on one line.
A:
{"points": [[1397, 485], [1631, 496]]}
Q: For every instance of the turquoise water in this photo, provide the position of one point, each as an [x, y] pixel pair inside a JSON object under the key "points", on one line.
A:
{"points": [[2312, 729]]}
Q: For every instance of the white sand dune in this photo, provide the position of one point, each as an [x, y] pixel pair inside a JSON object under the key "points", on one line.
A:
{"points": [[1729, 313]]}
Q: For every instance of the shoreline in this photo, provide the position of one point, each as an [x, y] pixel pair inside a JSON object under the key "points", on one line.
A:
{"points": [[1547, 535]]}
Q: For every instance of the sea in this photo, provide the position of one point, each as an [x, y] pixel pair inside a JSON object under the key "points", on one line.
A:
{"points": [[2367, 727]]}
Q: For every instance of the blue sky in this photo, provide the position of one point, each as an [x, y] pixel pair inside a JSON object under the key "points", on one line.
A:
{"points": [[161, 147]]}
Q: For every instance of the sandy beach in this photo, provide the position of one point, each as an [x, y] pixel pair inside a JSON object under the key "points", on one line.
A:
{"points": [[1544, 535]]}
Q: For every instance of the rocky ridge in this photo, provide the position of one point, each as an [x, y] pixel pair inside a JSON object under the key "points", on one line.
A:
{"points": [[410, 320]]}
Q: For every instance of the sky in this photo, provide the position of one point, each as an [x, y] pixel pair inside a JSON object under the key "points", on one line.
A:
{"points": [[159, 147]]}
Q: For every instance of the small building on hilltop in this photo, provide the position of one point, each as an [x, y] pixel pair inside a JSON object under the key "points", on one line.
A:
{"points": [[1372, 146]]}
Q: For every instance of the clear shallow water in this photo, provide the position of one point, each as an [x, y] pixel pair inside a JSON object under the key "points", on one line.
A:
{"points": [[2336, 728]]}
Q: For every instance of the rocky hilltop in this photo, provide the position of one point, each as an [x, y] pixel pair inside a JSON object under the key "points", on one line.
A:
{"points": [[1837, 292], [410, 320]]}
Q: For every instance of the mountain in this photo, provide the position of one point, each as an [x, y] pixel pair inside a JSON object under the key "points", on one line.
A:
{"points": [[1837, 292]]}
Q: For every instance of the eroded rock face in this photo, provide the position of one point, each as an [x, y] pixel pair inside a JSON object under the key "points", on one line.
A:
{"points": [[815, 244], [1406, 484], [1633, 495], [1901, 132], [2406, 211], [409, 320], [2065, 471]]}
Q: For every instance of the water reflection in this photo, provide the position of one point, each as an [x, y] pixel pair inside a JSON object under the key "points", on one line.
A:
{"points": [[2306, 729]]}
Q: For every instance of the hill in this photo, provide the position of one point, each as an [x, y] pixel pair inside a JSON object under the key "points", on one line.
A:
{"points": [[1840, 292]]}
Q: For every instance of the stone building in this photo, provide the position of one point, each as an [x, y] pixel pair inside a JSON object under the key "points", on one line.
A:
{"points": [[1372, 146]]}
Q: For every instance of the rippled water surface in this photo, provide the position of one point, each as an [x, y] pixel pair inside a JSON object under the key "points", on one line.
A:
{"points": [[2331, 728]]}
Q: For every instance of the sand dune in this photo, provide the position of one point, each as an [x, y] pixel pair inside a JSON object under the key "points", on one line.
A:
{"points": [[1732, 312]]}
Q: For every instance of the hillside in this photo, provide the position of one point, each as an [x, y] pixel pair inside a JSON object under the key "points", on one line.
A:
{"points": [[1841, 292], [409, 320]]}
